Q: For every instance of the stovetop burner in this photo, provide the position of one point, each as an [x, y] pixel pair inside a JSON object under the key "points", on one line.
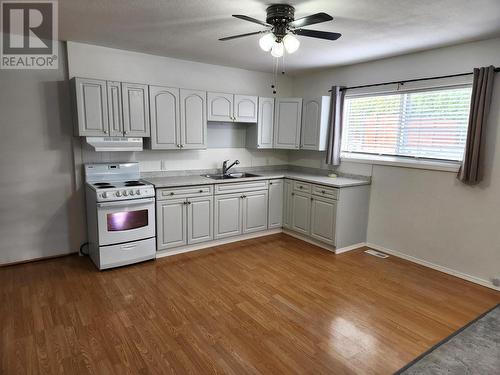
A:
{"points": [[134, 183], [102, 184]]}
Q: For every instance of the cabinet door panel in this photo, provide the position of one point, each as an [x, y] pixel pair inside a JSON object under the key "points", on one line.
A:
{"points": [[171, 223], [323, 213], [165, 117], [301, 212], [228, 215], [135, 110], [287, 204], [265, 123], [200, 219], [193, 119], [245, 108], [92, 107], [220, 106], [276, 203], [288, 123], [311, 117], [255, 205], [115, 114]]}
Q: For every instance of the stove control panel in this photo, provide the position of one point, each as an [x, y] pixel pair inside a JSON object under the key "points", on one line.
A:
{"points": [[125, 193]]}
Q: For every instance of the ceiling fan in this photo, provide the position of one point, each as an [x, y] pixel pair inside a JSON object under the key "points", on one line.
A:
{"points": [[281, 28]]}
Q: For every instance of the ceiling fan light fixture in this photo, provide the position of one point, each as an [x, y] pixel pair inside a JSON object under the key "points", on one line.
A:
{"points": [[291, 43], [266, 42], [277, 50]]}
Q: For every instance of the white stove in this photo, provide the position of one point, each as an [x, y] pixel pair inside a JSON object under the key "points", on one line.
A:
{"points": [[120, 215]]}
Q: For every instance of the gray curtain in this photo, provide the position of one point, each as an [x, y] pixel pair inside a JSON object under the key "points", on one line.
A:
{"points": [[471, 170], [335, 125]]}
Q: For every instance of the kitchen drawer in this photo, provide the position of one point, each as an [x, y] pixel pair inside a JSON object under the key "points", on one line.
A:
{"points": [[323, 191], [184, 192], [237, 187], [126, 253], [302, 186]]}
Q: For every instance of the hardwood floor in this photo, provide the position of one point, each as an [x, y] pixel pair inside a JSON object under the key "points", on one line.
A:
{"points": [[269, 305]]}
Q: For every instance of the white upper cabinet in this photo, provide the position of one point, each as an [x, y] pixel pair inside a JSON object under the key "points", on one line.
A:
{"points": [[260, 135], [245, 108], [220, 106], [91, 102], [178, 118], [115, 114], [165, 118], [232, 108], [193, 117], [315, 114], [287, 123], [265, 123], [135, 110]]}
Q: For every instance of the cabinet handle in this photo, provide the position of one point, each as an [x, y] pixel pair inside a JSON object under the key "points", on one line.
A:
{"points": [[184, 202], [270, 183], [126, 132], [293, 193], [188, 202], [200, 191], [301, 187], [312, 198], [172, 193], [105, 132]]}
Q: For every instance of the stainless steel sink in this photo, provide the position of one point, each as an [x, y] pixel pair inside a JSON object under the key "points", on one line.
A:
{"points": [[230, 176]]}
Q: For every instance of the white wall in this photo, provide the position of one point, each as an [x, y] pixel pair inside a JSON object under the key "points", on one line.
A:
{"points": [[107, 63], [428, 215], [41, 215]]}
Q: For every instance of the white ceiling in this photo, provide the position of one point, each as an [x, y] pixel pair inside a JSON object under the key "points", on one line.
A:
{"points": [[189, 29]]}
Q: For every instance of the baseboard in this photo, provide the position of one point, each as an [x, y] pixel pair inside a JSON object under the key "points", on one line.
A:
{"points": [[224, 241], [345, 249], [309, 240], [37, 259], [437, 267]]}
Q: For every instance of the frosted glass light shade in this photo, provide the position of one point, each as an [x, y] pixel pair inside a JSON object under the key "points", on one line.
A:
{"points": [[277, 50], [291, 43], [266, 42]]}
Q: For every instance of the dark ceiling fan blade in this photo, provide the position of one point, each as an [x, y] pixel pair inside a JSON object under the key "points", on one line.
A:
{"points": [[250, 19], [243, 35], [311, 20], [317, 34]]}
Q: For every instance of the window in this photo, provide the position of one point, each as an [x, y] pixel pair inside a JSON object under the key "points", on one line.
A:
{"points": [[428, 123]]}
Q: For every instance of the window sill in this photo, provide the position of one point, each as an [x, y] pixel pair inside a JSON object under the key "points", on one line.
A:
{"points": [[395, 161]]}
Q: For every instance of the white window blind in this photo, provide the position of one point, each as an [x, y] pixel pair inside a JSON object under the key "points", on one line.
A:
{"points": [[422, 124]]}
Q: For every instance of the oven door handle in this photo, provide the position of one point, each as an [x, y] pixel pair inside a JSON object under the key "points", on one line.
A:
{"points": [[126, 202]]}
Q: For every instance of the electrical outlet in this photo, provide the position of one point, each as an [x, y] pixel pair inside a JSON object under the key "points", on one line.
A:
{"points": [[496, 281]]}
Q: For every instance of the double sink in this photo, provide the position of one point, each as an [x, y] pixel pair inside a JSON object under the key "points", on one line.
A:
{"points": [[230, 176]]}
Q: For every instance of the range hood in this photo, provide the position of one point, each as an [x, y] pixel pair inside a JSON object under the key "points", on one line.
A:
{"points": [[115, 143]]}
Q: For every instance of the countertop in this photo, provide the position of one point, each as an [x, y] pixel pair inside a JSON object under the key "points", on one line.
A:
{"points": [[175, 181]]}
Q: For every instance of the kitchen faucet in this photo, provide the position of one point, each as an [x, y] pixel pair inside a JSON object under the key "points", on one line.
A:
{"points": [[225, 168]]}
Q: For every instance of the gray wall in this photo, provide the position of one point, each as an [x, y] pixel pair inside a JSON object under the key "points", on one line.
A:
{"points": [[41, 215], [428, 215]]}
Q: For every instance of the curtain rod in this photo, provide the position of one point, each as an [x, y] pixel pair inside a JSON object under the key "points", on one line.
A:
{"points": [[409, 80]]}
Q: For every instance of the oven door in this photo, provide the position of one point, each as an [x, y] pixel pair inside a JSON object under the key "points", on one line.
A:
{"points": [[125, 221]]}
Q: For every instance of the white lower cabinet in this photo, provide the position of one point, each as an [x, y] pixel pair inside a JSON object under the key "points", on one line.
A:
{"points": [[240, 213], [200, 220], [323, 213], [171, 223], [276, 200], [196, 214], [301, 212], [228, 215], [254, 211], [287, 204], [183, 218]]}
